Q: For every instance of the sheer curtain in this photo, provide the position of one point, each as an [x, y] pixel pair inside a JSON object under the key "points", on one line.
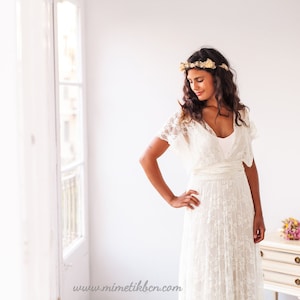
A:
{"points": [[37, 150], [10, 225]]}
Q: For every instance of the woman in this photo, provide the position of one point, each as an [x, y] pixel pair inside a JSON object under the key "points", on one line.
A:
{"points": [[223, 219]]}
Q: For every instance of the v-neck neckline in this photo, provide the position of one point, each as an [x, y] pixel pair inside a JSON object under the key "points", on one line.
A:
{"points": [[211, 131], [218, 140]]}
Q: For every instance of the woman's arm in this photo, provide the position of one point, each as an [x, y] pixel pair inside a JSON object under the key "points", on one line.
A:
{"points": [[258, 224], [150, 165]]}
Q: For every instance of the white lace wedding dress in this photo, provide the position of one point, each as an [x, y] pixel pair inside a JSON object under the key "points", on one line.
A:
{"points": [[219, 259]]}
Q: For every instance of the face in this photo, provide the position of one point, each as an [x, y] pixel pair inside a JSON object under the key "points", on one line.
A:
{"points": [[201, 83]]}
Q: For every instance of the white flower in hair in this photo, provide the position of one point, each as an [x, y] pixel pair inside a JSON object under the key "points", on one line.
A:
{"points": [[208, 64]]}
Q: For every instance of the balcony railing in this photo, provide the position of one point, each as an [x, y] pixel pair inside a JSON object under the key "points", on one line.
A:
{"points": [[71, 208]]}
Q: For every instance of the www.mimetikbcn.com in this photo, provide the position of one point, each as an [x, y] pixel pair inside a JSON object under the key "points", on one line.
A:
{"points": [[132, 287]]}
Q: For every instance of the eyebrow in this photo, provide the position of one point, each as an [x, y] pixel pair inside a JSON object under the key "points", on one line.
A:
{"points": [[188, 78]]}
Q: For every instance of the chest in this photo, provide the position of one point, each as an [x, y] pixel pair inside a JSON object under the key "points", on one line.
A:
{"points": [[222, 125]]}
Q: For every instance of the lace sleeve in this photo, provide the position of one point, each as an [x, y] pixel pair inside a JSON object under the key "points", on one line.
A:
{"points": [[176, 134], [251, 133], [172, 128]]}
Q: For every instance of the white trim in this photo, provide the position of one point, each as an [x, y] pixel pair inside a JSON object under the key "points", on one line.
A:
{"points": [[57, 139], [70, 83], [73, 166]]}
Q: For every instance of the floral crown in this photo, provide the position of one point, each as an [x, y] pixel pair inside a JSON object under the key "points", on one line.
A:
{"points": [[208, 64]]}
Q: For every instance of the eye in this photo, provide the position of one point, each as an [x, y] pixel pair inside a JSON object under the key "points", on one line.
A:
{"points": [[199, 80]]}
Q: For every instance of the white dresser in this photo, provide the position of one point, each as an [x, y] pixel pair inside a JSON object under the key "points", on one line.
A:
{"points": [[281, 264]]}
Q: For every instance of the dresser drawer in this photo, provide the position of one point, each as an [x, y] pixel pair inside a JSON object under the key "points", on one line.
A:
{"points": [[280, 267], [281, 264], [280, 256], [283, 279]]}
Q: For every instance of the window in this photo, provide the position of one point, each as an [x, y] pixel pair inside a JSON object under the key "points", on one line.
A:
{"points": [[71, 120]]}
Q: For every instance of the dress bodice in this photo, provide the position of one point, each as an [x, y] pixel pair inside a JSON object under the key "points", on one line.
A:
{"points": [[199, 147]]}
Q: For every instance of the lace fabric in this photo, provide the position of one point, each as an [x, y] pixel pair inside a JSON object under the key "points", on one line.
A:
{"points": [[219, 259], [197, 145]]}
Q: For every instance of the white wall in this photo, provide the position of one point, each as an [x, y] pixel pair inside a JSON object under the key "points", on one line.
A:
{"points": [[11, 254], [133, 52]]}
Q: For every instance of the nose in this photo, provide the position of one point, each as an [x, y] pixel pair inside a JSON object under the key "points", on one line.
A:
{"points": [[194, 86]]}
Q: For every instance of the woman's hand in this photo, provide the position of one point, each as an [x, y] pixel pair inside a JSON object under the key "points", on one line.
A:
{"points": [[187, 199], [258, 228]]}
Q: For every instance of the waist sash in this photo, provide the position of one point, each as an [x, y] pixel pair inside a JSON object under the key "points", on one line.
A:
{"points": [[222, 170]]}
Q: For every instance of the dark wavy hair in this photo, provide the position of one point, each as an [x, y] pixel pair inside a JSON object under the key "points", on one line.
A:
{"points": [[225, 88]]}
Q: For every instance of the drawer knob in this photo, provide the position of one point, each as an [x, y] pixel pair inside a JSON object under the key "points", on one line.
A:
{"points": [[297, 281], [297, 260], [262, 254]]}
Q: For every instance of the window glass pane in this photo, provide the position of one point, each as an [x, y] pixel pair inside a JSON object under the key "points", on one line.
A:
{"points": [[70, 124], [72, 206], [68, 41]]}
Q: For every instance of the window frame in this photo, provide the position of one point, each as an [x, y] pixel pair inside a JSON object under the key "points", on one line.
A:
{"points": [[82, 161]]}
